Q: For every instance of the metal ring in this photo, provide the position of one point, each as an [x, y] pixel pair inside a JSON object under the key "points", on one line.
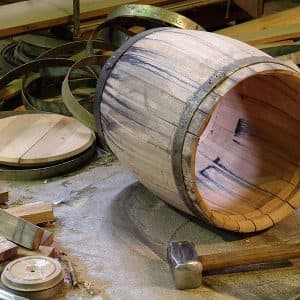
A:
{"points": [[77, 46], [149, 16], [7, 58], [150, 13], [71, 103], [186, 117]]}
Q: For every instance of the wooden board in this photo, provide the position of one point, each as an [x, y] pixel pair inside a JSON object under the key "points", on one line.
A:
{"points": [[275, 27], [19, 231], [43, 251], [47, 238], [41, 139], [7, 249], [35, 213], [3, 196], [27, 16], [270, 35], [254, 8]]}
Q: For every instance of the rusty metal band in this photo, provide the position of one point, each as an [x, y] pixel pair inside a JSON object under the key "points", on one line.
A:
{"points": [[18, 72], [147, 13], [40, 42], [26, 48], [105, 73], [63, 50], [89, 46], [186, 117], [70, 101], [148, 16], [55, 104], [7, 59], [37, 66], [9, 96], [21, 56]]}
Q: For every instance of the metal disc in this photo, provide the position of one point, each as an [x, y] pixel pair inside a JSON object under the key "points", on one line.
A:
{"points": [[32, 273]]}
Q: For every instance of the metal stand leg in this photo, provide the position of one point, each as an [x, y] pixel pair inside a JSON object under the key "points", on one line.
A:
{"points": [[76, 19]]}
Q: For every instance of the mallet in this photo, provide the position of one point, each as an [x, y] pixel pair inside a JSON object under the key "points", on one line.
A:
{"points": [[187, 267]]}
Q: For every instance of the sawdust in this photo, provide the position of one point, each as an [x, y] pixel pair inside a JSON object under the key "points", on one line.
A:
{"points": [[86, 283]]}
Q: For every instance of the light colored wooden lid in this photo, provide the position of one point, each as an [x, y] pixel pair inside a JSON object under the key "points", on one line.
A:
{"points": [[32, 273], [41, 139]]}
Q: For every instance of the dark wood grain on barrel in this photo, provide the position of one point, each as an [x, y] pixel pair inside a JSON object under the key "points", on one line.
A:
{"points": [[246, 183]]}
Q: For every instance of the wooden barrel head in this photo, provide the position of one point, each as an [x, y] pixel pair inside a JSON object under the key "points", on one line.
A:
{"points": [[41, 139], [248, 156]]}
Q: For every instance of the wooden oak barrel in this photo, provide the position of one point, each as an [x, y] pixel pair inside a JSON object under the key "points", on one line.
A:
{"points": [[207, 123]]}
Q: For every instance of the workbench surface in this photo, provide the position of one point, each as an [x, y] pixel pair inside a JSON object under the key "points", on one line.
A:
{"points": [[115, 232]]}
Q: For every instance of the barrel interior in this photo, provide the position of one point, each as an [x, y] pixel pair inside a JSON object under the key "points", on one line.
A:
{"points": [[247, 158]]}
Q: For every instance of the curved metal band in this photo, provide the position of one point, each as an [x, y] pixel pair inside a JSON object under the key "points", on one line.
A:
{"points": [[148, 16], [76, 47], [71, 103], [55, 104], [106, 71], [192, 105], [7, 59], [31, 66], [152, 13], [55, 107]]}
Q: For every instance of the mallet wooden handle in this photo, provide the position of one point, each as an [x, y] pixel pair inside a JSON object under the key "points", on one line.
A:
{"points": [[250, 256]]}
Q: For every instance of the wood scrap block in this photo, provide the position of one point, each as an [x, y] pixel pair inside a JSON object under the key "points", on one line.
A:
{"points": [[20, 231], [42, 251], [3, 196], [35, 213], [7, 249], [268, 29], [254, 8], [47, 238]]}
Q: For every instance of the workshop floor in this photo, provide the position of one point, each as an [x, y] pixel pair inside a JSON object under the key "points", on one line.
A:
{"points": [[115, 232]]}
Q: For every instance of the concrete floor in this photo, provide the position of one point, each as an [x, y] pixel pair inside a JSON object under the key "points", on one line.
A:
{"points": [[115, 232]]}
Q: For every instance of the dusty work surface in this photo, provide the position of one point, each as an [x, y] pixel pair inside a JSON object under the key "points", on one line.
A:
{"points": [[115, 232]]}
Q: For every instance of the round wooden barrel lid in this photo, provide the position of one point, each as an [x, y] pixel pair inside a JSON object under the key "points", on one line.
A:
{"points": [[32, 273], [42, 139]]}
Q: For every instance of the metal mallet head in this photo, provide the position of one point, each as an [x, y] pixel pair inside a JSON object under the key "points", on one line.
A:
{"points": [[185, 266]]}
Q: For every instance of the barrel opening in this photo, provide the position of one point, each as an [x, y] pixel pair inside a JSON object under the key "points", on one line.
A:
{"points": [[247, 158]]}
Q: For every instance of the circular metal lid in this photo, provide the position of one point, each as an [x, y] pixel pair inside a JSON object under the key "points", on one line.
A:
{"points": [[32, 273]]}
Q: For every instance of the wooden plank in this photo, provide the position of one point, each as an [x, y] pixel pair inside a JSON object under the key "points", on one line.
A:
{"points": [[3, 196], [275, 6], [189, 4], [35, 213], [7, 249], [27, 16], [276, 27], [270, 35], [42, 251], [254, 8], [19, 231]]}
